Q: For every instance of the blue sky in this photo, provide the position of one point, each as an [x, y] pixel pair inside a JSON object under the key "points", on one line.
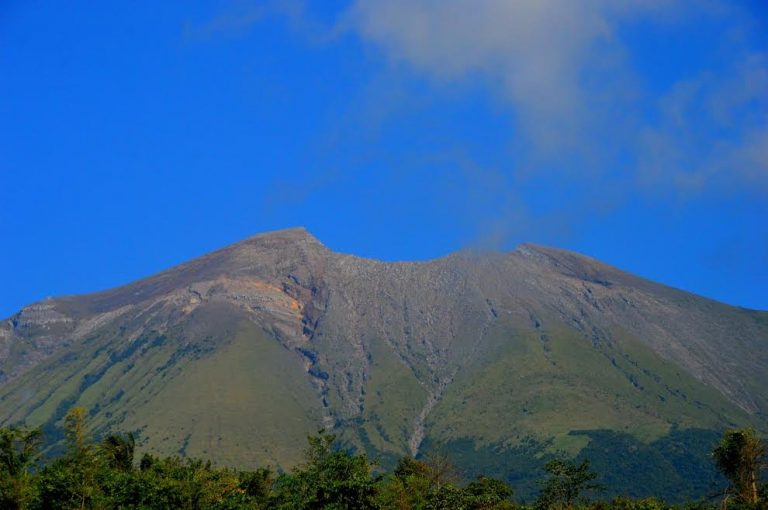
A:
{"points": [[135, 136]]}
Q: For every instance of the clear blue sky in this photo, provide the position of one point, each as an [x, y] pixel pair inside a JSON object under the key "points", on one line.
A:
{"points": [[137, 135]]}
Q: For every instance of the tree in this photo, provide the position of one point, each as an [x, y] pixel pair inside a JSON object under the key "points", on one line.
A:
{"points": [[440, 470], [488, 493], [447, 497], [76, 434], [567, 484], [329, 479], [430, 483], [19, 449], [408, 468], [258, 485], [407, 487], [117, 451], [740, 456], [70, 481]]}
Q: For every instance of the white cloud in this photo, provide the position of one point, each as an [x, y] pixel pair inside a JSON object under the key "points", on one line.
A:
{"points": [[712, 130], [570, 83], [558, 61]]}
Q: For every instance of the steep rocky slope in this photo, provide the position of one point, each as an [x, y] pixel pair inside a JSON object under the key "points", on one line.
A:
{"points": [[239, 354]]}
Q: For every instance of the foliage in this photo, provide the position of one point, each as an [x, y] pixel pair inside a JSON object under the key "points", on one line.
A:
{"points": [[489, 493], [18, 452], [329, 478], [678, 467], [70, 482], [740, 456], [105, 475], [567, 484], [406, 487], [117, 451]]}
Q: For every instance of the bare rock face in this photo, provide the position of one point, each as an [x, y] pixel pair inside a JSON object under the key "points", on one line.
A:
{"points": [[266, 340]]}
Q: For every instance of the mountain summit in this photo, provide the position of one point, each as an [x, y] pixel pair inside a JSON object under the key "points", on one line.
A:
{"points": [[239, 354]]}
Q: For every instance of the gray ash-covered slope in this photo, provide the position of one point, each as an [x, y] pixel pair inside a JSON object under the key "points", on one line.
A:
{"points": [[239, 354]]}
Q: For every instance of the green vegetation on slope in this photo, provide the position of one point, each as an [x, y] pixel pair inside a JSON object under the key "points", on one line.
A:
{"points": [[393, 398], [178, 392], [105, 475], [677, 467], [222, 388], [547, 384], [234, 406]]}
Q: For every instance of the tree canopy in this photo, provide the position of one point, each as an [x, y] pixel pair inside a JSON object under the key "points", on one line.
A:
{"points": [[105, 474]]}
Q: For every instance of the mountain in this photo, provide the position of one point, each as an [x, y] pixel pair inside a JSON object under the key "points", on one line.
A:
{"points": [[499, 359]]}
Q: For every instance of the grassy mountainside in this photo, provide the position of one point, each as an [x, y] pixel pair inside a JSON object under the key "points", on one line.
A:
{"points": [[270, 339]]}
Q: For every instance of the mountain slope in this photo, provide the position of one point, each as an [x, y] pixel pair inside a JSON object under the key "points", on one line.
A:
{"points": [[239, 354]]}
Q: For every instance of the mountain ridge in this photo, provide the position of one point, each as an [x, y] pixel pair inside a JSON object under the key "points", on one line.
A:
{"points": [[493, 348], [300, 233]]}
